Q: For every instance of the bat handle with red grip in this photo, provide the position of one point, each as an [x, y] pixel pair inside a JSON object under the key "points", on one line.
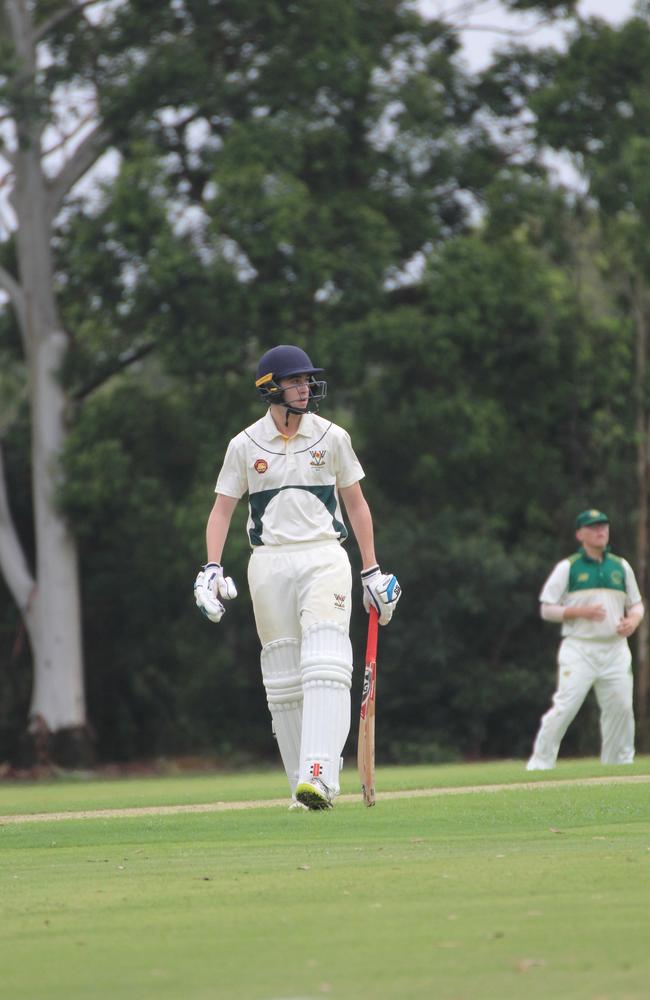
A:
{"points": [[373, 627]]}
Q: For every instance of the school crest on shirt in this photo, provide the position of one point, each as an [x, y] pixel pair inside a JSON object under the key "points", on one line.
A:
{"points": [[261, 465], [317, 458], [339, 601]]}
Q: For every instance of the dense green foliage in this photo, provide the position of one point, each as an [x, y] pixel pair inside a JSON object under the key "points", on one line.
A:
{"points": [[326, 175]]}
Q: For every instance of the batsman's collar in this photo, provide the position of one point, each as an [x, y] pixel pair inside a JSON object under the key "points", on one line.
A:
{"points": [[587, 517], [305, 427]]}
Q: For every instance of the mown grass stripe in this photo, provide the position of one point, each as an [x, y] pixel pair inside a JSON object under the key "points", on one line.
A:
{"points": [[212, 807]]}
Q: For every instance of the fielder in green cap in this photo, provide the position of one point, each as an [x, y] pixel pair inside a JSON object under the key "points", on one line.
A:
{"points": [[595, 597], [588, 517]]}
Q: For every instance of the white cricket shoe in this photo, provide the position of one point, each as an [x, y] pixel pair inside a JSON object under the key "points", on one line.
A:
{"points": [[297, 806], [535, 764], [314, 794]]}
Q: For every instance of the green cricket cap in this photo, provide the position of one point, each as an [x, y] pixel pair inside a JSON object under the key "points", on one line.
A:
{"points": [[587, 517]]}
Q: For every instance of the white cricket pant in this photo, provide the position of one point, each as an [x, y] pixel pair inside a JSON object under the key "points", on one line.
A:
{"points": [[583, 664], [301, 597]]}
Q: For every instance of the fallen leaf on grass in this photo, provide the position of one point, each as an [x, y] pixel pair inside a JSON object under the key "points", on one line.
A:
{"points": [[526, 964]]}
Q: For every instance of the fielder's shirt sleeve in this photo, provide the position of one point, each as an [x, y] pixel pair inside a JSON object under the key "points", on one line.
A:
{"points": [[557, 584], [631, 586]]}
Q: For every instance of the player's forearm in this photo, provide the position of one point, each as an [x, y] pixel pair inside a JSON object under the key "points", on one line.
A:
{"points": [[218, 526], [576, 611], [562, 613], [362, 527], [636, 612], [591, 612], [360, 520], [552, 612]]}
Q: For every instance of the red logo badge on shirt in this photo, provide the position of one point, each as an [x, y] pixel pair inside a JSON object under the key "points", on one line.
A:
{"points": [[261, 465]]}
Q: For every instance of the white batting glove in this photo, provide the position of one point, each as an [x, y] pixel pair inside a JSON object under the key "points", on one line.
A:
{"points": [[382, 591], [209, 586]]}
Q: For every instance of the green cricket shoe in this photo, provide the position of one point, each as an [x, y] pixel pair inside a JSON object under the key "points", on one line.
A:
{"points": [[314, 794]]}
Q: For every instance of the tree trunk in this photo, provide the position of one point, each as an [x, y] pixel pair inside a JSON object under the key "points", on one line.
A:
{"points": [[58, 691], [52, 615]]}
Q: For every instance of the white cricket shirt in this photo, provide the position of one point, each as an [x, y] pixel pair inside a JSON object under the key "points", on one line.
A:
{"points": [[580, 580], [292, 483]]}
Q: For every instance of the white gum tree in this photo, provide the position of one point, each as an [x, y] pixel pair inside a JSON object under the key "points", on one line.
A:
{"points": [[46, 593]]}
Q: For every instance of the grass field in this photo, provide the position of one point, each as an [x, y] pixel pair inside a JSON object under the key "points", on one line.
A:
{"points": [[535, 890]]}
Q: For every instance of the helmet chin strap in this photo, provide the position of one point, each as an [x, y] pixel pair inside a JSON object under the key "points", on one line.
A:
{"points": [[311, 404], [290, 409]]}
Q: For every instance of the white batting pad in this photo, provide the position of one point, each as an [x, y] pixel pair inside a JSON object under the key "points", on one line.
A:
{"points": [[281, 676], [326, 668]]}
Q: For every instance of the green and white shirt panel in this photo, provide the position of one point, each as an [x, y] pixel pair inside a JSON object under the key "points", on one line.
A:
{"points": [[292, 483], [582, 580]]}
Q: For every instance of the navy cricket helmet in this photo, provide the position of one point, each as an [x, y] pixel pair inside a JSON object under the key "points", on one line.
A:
{"points": [[285, 361]]}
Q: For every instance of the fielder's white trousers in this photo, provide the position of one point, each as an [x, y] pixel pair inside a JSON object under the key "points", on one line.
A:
{"points": [[582, 664], [301, 599]]}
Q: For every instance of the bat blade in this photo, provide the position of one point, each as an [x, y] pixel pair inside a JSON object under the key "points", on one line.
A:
{"points": [[366, 746]]}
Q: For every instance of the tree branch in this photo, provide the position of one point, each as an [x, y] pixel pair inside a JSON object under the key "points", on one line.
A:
{"points": [[59, 17], [20, 27], [496, 29], [13, 563], [114, 368], [67, 138], [77, 164]]}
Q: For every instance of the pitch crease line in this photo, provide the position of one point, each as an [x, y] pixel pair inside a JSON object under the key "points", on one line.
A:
{"points": [[413, 793]]}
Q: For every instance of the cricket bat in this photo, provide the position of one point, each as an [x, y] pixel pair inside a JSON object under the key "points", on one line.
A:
{"points": [[366, 747]]}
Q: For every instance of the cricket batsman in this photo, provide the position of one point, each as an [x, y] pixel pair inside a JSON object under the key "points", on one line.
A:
{"points": [[296, 468]]}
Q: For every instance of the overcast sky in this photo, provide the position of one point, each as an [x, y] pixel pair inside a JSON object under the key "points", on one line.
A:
{"points": [[489, 14]]}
